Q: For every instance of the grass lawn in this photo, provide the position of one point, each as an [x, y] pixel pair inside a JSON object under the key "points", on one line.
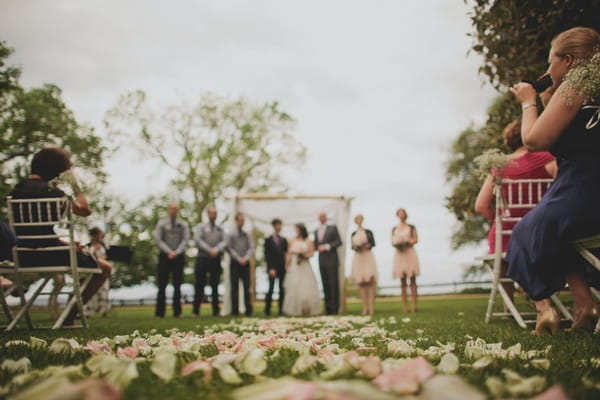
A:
{"points": [[444, 325]]}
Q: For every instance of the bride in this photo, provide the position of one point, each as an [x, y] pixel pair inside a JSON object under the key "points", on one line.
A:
{"points": [[300, 284]]}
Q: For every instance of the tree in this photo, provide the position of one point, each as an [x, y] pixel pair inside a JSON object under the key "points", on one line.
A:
{"points": [[460, 170], [513, 37], [31, 119], [217, 147]]}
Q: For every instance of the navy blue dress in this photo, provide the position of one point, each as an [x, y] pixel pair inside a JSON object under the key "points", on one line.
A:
{"points": [[539, 252]]}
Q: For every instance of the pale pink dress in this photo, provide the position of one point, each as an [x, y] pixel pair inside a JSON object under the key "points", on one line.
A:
{"points": [[364, 267], [406, 263]]}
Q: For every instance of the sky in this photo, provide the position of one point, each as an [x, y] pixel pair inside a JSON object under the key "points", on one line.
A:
{"points": [[378, 89]]}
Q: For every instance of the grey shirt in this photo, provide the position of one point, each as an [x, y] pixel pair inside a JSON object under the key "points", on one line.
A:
{"points": [[172, 235], [240, 244], [208, 236]]}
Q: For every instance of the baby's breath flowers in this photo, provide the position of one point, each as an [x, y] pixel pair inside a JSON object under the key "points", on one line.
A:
{"points": [[492, 160], [67, 181], [584, 79]]}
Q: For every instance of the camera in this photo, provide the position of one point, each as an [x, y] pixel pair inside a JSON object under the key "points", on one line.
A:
{"points": [[541, 84]]}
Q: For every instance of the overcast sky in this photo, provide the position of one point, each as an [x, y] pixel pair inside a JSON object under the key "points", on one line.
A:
{"points": [[379, 89]]}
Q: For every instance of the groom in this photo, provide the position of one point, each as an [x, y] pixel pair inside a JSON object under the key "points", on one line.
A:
{"points": [[327, 240]]}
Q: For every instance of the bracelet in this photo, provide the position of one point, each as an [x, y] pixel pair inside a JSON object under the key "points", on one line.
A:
{"points": [[528, 105]]}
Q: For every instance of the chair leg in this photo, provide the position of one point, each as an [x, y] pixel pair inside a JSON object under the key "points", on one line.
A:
{"points": [[26, 306], [74, 301], [5, 306], [493, 293], [561, 307], [511, 307]]}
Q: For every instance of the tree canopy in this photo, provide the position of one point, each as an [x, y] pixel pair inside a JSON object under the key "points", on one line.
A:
{"points": [[514, 36], [216, 147], [31, 119]]}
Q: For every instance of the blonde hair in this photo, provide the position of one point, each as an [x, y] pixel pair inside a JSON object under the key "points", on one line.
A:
{"points": [[580, 42]]}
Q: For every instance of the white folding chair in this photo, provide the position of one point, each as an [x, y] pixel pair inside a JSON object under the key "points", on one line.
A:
{"points": [[513, 197], [26, 216], [584, 246]]}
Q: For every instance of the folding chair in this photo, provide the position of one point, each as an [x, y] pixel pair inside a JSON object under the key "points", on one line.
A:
{"points": [[34, 216], [584, 246], [514, 198]]}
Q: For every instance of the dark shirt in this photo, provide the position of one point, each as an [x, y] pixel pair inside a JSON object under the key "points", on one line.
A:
{"points": [[582, 136], [31, 189]]}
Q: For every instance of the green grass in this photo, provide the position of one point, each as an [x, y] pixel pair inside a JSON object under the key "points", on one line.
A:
{"points": [[452, 319]]}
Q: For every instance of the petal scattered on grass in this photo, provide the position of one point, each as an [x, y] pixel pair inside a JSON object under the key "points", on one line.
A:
{"points": [[43, 389], [120, 371], [37, 343], [198, 365], [87, 389], [22, 365], [163, 365], [449, 364], [406, 378], [540, 363], [62, 345], [483, 362], [556, 392], [304, 363], [254, 362], [95, 347], [449, 387]]}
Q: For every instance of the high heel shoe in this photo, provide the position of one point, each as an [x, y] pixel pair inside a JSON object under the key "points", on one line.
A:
{"points": [[547, 323], [586, 318]]}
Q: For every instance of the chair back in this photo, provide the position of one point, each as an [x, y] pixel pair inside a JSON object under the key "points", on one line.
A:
{"points": [[514, 199], [34, 221]]}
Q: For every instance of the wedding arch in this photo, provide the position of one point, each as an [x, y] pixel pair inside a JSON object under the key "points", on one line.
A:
{"points": [[259, 210]]}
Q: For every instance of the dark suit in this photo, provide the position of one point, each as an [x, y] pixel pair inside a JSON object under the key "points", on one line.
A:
{"points": [[275, 257], [329, 267]]}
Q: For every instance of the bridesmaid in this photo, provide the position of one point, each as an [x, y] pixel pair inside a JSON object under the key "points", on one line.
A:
{"points": [[406, 263], [364, 268]]}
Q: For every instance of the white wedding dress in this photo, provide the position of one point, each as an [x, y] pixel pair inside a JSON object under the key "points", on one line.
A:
{"points": [[301, 287]]}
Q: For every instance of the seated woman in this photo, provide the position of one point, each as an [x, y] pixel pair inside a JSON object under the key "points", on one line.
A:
{"points": [[540, 254], [46, 165], [524, 165]]}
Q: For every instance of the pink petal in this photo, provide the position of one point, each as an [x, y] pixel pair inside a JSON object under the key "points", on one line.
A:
{"points": [[95, 347], [238, 345], [406, 378], [91, 388], [370, 366], [198, 365], [556, 392], [268, 342], [304, 391], [129, 352]]}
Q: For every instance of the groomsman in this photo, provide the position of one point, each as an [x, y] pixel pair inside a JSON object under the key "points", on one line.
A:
{"points": [[240, 246], [211, 241], [171, 236], [275, 249], [327, 240]]}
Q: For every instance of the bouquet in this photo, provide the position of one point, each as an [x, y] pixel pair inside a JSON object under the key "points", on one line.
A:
{"points": [[492, 160], [359, 242], [67, 181], [402, 246]]}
